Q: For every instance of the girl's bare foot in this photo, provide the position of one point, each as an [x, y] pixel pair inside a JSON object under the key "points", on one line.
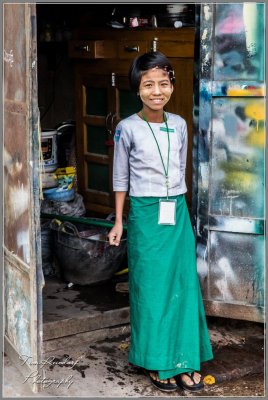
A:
{"points": [[190, 381], [154, 375], [186, 379], [166, 385]]}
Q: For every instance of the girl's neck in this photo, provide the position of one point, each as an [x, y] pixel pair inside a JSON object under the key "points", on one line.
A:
{"points": [[152, 115]]}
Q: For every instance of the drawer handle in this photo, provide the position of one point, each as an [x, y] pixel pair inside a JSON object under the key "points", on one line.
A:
{"points": [[81, 48], [131, 49]]}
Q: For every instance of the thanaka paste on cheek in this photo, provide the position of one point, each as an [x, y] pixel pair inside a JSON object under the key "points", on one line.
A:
{"points": [[164, 92]]}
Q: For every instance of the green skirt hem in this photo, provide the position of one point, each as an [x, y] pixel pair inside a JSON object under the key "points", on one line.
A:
{"points": [[169, 370]]}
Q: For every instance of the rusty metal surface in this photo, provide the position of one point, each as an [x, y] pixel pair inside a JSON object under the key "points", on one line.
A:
{"points": [[229, 217]]}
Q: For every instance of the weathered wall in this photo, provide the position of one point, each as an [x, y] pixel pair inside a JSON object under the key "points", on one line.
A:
{"points": [[22, 246], [16, 198]]}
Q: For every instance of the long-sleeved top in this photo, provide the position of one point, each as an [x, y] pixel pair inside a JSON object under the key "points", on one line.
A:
{"points": [[137, 160]]}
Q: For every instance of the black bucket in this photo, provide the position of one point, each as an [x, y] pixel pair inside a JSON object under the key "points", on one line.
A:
{"points": [[84, 253], [47, 253]]}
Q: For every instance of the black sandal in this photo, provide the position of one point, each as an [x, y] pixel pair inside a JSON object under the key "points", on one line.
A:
{"points": [[165, 387], [194, 387]]}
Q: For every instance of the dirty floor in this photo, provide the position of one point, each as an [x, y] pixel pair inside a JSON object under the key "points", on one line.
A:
{"points": [[73, 314], [61, 302], [102, 369]]}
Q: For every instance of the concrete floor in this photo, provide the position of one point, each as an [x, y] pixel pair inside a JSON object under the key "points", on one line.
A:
{"points": [[61, 302], [79, 313], [100, 368]]}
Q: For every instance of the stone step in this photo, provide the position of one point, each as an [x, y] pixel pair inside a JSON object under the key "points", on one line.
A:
{"points": [[81, 313], [89, 337]]}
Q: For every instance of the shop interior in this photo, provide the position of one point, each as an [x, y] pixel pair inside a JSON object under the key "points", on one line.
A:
{"points": [[84, 53]]}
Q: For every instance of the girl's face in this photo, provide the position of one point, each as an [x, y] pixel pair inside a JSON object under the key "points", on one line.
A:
{"points": [[155, 89]]}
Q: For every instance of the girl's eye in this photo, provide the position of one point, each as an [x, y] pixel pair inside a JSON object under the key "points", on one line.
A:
{"points": [[148, 85]]}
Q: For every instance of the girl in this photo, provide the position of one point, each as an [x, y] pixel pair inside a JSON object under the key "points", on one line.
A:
{"points": [[169, 336]]}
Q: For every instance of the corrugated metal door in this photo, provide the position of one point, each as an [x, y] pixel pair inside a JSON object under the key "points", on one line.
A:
{"points": [[230, 159], [23, 269]]}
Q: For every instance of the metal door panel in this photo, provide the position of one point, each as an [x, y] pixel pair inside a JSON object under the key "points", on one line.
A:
{"points": [[229, 155], [237, 157], [236, 271]]}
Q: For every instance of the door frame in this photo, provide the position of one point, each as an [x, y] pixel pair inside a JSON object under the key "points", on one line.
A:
{"points": [[29, 269]]}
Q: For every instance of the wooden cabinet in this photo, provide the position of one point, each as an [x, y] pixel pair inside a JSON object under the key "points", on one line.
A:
{"points": [[92, 49], [103, 98]]}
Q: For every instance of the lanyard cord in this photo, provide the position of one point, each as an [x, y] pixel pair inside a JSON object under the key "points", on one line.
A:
{"points": [[166, 170]]}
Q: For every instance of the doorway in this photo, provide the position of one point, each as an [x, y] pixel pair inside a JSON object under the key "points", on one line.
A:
{"points": [[64, 73]]}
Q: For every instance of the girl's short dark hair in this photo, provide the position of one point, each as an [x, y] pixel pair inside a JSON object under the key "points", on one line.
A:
{"points": [[146, 61]]}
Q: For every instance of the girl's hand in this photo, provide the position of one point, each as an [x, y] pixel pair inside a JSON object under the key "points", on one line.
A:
{"points": [[115, 234]]}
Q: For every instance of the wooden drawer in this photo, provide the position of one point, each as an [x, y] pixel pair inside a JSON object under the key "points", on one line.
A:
{"points": [[178, 49], [131, 48], [92, 49]]}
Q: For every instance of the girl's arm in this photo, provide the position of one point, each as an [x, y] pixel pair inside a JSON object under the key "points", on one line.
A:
{"points": [[122, 144], [117, 230]]}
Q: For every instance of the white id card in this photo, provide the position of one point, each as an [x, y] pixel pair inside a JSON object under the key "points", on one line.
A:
{"points": [[167, 212]]}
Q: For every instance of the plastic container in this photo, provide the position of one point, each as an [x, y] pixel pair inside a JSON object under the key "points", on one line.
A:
{"points": [[84, 253], [49, 180], [65, 190], [49, 149], [59, 194]]}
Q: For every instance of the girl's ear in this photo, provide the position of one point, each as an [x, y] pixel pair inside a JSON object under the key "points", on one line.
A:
{"points": [[172, 88]]}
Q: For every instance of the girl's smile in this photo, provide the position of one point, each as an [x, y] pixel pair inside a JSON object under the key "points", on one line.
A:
{"points": [[155, 89]]}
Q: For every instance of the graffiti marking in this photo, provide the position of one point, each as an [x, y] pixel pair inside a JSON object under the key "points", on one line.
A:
{"points": [[9, 57]]}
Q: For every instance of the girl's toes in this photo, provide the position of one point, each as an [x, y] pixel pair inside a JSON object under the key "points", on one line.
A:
{"points": [[172, 380], [153, 376]]}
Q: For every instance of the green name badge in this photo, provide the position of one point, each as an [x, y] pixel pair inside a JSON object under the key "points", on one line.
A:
{"points": [[165, 129]]}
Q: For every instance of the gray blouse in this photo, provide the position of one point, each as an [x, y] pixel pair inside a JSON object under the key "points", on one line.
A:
{"points": [[137, 159]]}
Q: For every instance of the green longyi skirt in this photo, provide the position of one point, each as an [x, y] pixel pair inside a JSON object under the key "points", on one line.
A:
{"points": [[168, 324]]}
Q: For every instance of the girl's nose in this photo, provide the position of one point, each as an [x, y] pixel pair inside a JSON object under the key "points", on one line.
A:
{"points": [[156, 89]]}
